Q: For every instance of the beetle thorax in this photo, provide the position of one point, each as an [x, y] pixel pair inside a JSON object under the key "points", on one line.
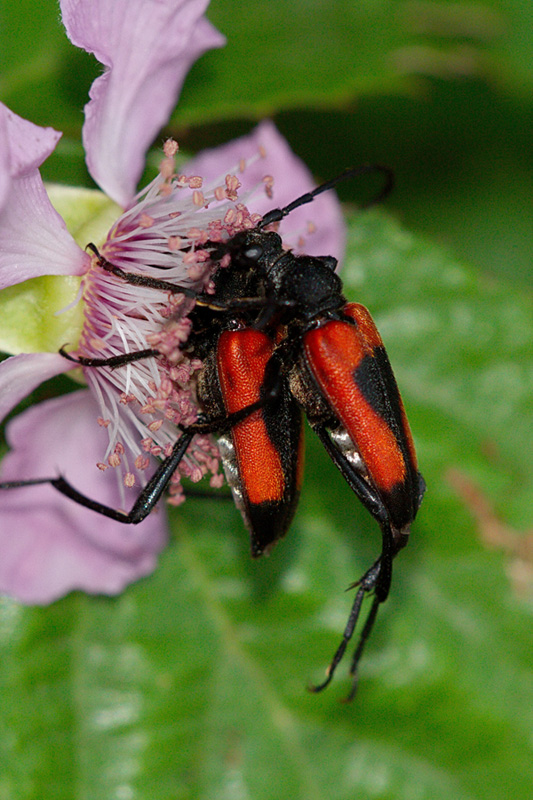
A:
{"points": [[309, 282]]}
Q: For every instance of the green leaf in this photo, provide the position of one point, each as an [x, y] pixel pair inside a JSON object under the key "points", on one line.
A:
{"points": [[192, 684], [328, 54], [289, 62], [324, 54]]}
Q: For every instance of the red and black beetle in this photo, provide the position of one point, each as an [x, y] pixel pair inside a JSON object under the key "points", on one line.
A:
{"points": [[278, 338]]}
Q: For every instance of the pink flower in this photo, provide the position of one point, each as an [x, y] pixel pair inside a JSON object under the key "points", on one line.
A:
{"points": [[105, 439]]}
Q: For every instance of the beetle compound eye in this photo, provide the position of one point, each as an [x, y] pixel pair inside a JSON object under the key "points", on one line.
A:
{"points": [[253, 253]]}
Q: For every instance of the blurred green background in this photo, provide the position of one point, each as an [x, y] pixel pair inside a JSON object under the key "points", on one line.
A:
{"points": [[192, 684]]}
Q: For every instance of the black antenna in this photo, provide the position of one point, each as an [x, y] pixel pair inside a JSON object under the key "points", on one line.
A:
{"points": [[278, 214]]}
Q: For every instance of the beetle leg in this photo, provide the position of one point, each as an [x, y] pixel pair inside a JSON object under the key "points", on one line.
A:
{"points": [[112, 361], [146, 500], [365, 634], [151, 494], [364, 491], [366, 585], [202, 300], [379, 576]]}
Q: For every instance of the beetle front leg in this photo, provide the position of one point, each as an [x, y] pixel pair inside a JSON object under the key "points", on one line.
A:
{"points": [[152, 492], [146, 500], [111, 361]]}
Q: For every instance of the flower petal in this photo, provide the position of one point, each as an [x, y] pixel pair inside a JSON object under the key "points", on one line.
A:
{"points": [[60, 546], [28, 144], [34, 240], [5, 160], [291, 179], [20, 375], [148, 47]]}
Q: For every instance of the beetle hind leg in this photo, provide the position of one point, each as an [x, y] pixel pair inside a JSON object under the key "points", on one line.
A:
{"points": [[366, 584], [365, 635]]}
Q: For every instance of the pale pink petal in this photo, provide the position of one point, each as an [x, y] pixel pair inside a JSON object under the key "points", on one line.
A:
{"points": [[29, 144], [147, 46], [291, 179], [49, 544], [34, 240], [5, 166], [20, 375]]}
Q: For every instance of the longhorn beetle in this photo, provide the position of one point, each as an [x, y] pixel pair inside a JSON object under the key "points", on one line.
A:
{"points": [[276, 338]]}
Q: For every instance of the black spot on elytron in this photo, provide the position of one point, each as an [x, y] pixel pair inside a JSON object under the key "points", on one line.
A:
{"points": [[370, 377], [389, 381], [268, 523], [376, 382], [402, 505]]}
